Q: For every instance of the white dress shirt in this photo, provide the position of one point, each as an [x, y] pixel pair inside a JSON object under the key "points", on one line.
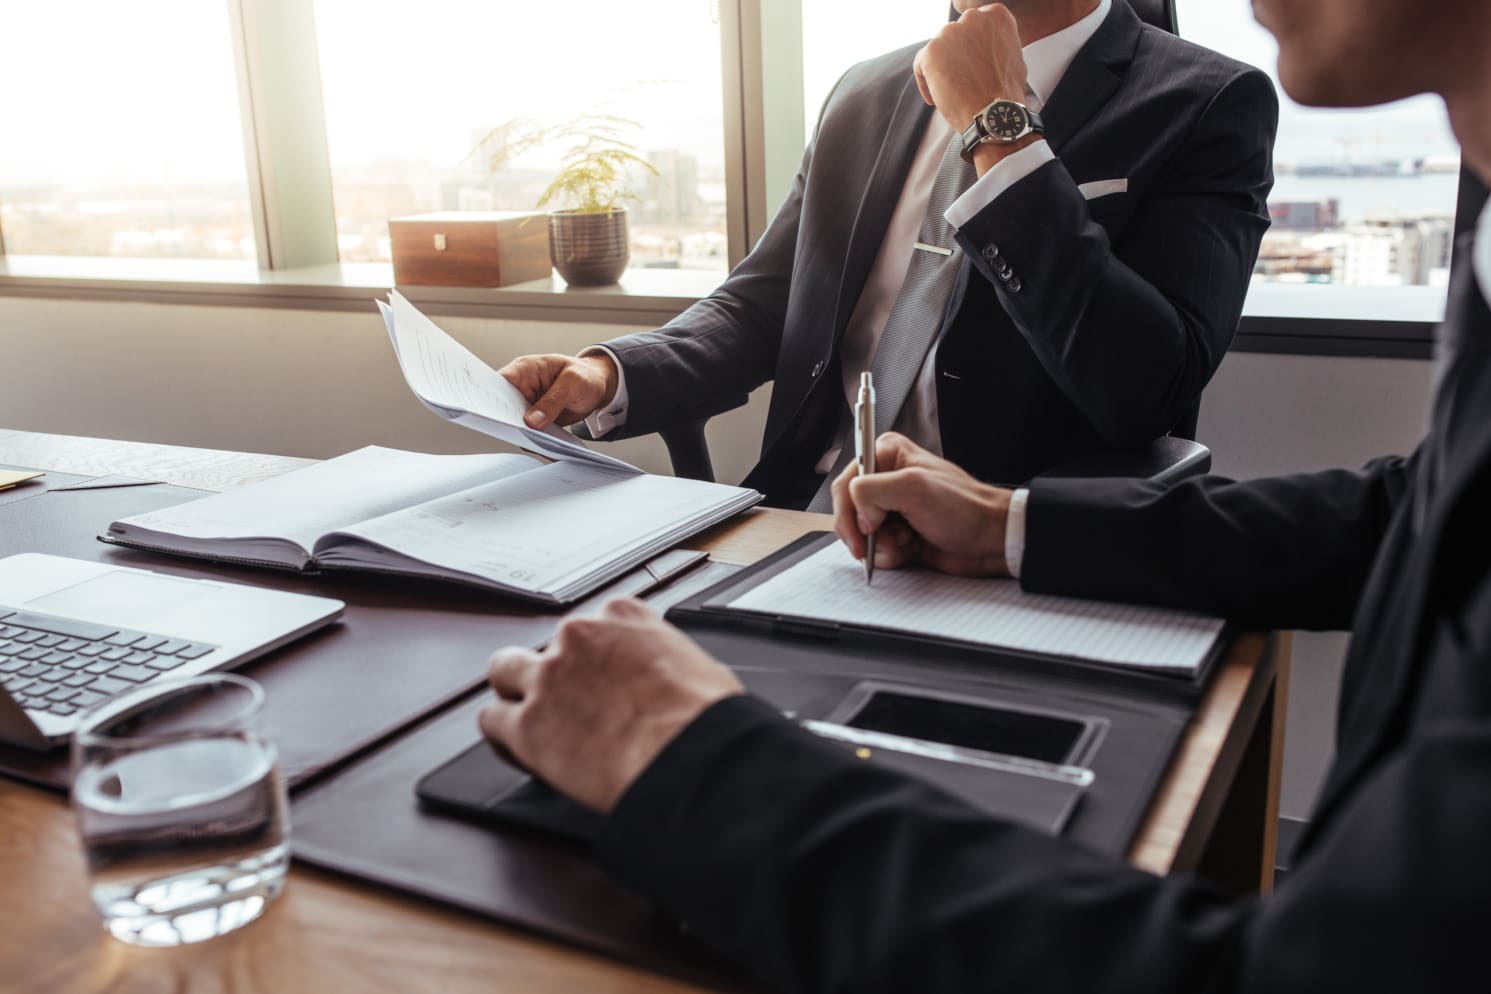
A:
{"points": [[1046, 62]]}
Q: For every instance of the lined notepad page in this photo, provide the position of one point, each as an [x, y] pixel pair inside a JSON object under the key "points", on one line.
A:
{"points": [[830, 586]]}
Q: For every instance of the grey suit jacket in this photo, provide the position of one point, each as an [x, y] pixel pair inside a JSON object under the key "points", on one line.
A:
{"points": [[1111, 316]]}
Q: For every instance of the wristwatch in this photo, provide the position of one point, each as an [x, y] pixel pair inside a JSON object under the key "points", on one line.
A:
{"points": [[1003, 122]]}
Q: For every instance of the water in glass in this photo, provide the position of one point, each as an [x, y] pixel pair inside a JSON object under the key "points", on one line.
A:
{"points": [[185, 821]]}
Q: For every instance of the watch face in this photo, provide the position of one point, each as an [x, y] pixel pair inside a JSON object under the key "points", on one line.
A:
{"points": [[1006, 120]]}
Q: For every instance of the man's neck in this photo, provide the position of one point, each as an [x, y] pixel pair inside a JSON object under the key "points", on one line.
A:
{"points": [[1039, 19], [1470, 117], [1465, 84]]}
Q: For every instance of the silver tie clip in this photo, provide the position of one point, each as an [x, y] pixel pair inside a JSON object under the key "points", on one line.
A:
{"points": [[932, 248]]}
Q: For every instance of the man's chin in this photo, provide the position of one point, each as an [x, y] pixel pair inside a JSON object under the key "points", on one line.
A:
{"points": [[1316, 85]]}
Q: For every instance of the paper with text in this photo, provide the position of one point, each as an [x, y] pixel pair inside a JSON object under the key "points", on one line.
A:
{"points": [[451, 381], [830, 586]]}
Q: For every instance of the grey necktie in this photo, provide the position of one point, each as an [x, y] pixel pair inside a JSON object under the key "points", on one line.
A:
{"points": [[917, 315]]}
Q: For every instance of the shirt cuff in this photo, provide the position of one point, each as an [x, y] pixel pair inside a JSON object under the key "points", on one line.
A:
{"points": [[1014, 532], [613, 415], [1005, 174]]}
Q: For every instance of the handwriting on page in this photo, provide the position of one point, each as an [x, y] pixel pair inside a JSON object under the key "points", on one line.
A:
{"points": [[830, 586]]}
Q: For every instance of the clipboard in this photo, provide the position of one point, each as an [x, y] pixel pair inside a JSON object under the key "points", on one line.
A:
{"points": [[713, 608]]}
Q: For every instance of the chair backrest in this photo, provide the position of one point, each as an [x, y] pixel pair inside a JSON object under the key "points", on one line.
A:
{"points": [[1160, 13]]}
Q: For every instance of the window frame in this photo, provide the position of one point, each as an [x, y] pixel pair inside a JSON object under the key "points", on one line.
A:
{"points": [[289, 178]]}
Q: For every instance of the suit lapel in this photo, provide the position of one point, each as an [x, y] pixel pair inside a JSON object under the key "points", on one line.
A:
{"points": [[1093, 76], [908, 122], [905, 125]]}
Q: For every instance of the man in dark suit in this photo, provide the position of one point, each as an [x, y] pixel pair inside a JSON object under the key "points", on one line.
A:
{"points": [[1090, 279], [717, 807]]}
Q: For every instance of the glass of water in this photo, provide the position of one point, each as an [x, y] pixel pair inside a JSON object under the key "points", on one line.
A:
{"points": [[181, 809]]}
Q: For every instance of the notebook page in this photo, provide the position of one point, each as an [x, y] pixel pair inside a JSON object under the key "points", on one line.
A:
{"points": [[303, 504], [830, 586], [540, 530]]}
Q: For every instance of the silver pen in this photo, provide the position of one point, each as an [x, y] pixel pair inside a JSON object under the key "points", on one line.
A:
{"points": [[864, 454]]}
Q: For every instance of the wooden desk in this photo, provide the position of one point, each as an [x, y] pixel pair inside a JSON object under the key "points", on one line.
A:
{"points": [[1214, 813]]}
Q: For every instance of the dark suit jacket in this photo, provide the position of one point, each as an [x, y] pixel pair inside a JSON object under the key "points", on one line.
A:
{"points": [[820, 873], [1117, 310]]}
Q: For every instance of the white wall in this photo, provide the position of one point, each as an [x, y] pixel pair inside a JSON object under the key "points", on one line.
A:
{"points": [[319, 383], [303, 383]]}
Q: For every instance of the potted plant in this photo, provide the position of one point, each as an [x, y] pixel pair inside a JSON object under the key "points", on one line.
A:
{"points": [[588, 231]]}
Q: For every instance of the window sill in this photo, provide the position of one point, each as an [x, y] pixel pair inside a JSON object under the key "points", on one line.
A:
{"points": [[642, 297], [1385, 322], [1360, 321]]}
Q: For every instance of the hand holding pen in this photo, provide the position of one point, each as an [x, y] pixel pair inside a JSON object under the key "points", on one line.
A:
{"points": [[923, 510]]}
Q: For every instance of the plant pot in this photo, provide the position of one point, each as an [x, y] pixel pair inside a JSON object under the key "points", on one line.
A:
{"points": [[589, 249]]}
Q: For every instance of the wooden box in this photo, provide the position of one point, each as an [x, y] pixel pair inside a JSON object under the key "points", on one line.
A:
{"points": [[469, 248]]}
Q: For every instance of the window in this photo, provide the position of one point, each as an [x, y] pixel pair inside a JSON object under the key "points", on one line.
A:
{"points": [[411, 89], [828, 49], [1362, 199], [121, 131]]}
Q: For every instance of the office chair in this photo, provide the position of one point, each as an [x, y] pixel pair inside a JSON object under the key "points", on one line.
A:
{"points": [[1173, 457]]}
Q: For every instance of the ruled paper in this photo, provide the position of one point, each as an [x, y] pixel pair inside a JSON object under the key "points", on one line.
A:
{"points": [[830, 586]]}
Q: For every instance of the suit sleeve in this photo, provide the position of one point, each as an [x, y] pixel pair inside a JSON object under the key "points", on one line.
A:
{"points": [[709, 358], [1279, 552], [818, 872], [1132, 330]]}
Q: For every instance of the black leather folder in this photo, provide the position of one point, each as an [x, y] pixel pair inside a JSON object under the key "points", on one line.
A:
{"points": [[815, 672], [486, 838]]}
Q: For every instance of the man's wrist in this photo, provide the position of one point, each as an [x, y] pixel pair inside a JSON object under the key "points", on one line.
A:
{"points": [[606, 366], [988, 154], [996, 502]]}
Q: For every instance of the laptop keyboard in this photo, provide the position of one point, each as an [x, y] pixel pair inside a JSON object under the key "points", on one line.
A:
{"points": [[60, 665]]}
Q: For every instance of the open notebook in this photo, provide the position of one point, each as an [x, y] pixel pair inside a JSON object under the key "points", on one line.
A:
{"points": [[526, 526]]}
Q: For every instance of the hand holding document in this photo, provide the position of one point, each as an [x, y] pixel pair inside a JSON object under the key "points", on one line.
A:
{"points": [[550, 532], [451, 381]]}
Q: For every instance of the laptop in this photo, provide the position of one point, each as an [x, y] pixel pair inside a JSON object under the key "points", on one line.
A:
{"points": [[74, 633]]}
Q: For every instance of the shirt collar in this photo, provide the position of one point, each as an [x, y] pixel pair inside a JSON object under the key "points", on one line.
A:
{"points": [[1481, 256], [1048, 59]]}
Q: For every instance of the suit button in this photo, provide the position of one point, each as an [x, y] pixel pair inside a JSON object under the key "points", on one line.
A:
{"points": [[1014, 285], [817, 368], [1003, 269], [991, 252]]}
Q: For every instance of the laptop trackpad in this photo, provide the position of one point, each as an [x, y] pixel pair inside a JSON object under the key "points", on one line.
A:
{"points": [[120, 598]]}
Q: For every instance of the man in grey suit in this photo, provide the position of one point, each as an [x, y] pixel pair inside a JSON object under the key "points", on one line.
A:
{"points": [[1051, 264]]}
